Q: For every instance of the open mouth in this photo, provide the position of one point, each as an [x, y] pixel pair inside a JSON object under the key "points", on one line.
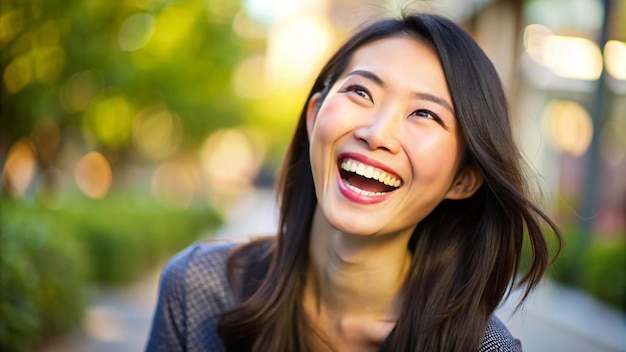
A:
{"points": [[367, 180]]}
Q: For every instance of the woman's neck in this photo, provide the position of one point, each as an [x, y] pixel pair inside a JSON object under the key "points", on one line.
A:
{"points": [[355, 276]]}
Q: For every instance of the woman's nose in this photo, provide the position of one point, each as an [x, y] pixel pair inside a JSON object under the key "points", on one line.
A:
{"points": [[381, 133]]}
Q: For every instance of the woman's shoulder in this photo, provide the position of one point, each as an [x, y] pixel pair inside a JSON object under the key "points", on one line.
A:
{"points": [[199, 268], [193, 292], [205, 267], [498, 338], [199, 258]]}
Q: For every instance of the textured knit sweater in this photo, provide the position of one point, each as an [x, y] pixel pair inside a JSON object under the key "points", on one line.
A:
{"points": [[194, 290]]}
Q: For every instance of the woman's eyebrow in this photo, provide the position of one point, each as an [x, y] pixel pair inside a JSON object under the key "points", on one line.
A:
{"points": [[369, 75], [435, 99], [423, 96]]}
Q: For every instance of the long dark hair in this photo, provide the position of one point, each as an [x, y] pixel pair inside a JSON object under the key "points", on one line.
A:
{"points": [[466, 253]]}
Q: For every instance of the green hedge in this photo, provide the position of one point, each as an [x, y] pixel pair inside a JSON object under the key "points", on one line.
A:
{"points": [[596, 266], [604, 274], [41, 283], [50, 256], [125, 236]]}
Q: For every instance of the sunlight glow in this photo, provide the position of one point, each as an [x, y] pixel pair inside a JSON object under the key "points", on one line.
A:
{"points": [[269, 11], [247, 28], [297, 48]]}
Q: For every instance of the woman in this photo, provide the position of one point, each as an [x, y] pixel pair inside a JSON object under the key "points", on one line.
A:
{"points": [[402, 214]]}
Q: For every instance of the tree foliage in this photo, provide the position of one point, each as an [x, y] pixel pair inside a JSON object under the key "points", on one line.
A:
{"points": [[92, 65]]}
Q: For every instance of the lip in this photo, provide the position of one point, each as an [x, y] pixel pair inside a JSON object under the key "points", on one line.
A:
{"points": [[357, 197]]}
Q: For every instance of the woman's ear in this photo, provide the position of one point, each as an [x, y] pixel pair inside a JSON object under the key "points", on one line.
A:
{"points": [[311, 112], [467, 182]]}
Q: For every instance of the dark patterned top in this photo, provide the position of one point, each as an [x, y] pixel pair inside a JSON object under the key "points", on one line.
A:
{"points": [[194, 290]]}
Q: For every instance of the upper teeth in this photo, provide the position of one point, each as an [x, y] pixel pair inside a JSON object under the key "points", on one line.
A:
{"points": [[370, 172]]}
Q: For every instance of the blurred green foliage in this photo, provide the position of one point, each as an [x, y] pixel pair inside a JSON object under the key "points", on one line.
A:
{"points": [[125, 235], [604, 275], [49, 257], [89, 69], [41, 281], [600, 272], [93, 64]]}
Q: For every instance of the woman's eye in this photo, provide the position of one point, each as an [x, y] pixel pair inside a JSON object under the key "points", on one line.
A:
{"points": [[361, 91], [426, 114]]}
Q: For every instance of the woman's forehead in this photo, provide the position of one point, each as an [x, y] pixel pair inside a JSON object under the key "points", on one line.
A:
{"points": [[400, 59], [379, 49]]}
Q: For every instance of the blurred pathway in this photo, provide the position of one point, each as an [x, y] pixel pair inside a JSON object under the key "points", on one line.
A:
{"points": [[555, 318], [116, 319], [559, 318]]}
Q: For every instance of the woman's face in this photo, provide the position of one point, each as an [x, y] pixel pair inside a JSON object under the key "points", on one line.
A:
{"points": [[385, 146]]}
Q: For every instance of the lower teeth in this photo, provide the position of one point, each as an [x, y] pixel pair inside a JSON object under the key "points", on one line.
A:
{"points": [[361, 191]]}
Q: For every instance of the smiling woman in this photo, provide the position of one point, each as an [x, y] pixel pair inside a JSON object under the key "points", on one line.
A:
{"points": [[402, 214]]}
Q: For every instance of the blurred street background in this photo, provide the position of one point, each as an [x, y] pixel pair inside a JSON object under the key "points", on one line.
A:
{"points": [[130, 129]]}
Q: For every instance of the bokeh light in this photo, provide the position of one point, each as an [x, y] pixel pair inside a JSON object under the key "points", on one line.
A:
{"points": [[110, 120], [568, 57], [49, 63], [251, 80], [172, 27], [157, 131], [533, 37], [11, 23], [17, 74], [568, 126], [135, 31], [93, 175], [230, 161], [20, 167], [78, 92], [615, 56]]}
